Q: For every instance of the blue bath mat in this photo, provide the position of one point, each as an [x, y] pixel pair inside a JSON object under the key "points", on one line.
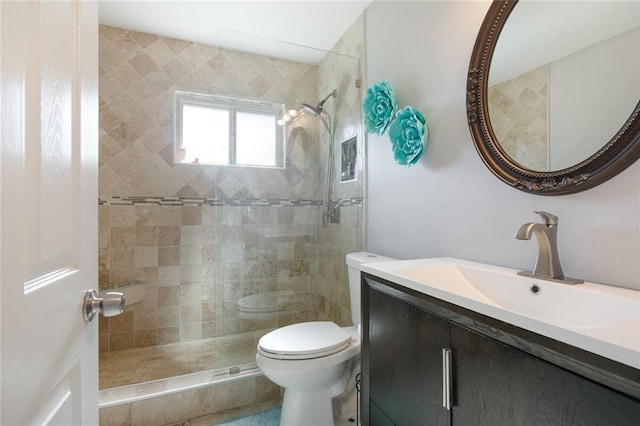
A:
{"points": [[264, 418]]}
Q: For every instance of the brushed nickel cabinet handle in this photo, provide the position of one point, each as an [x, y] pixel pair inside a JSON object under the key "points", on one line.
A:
{"points": [[446, 378]]}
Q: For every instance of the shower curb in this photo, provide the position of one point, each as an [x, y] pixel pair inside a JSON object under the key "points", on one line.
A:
{"points": [[110, 398]]}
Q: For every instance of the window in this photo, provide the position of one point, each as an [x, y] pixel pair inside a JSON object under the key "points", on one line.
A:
{"points": [[223, 130]]}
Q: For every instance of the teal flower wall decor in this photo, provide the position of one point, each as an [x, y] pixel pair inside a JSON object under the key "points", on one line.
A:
{"points": [[408, 134], [379, 105]]}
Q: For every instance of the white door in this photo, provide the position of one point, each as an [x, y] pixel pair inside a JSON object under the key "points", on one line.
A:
{"points": [[48, 215]]}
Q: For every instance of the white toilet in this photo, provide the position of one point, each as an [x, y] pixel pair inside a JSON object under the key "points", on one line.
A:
{"points": [[316, 362]]}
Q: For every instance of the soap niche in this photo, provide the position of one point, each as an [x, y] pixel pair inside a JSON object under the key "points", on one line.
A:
{"points": [[349, 153]]}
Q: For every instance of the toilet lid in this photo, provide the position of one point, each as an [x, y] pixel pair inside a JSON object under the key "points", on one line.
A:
{"points": [[304, 340]]}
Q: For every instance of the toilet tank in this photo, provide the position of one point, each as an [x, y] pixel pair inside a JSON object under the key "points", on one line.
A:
{"points": [[354, 260]]}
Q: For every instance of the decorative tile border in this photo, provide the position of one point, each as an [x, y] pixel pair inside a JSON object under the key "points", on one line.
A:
{"points": [[355, 201], [180, 201]]}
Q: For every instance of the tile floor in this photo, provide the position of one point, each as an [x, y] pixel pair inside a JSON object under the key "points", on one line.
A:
{"points": [[141, 365]]}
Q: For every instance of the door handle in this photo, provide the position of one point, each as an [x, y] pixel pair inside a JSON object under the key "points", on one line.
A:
{"points": [[446, 378], [110, 305]]}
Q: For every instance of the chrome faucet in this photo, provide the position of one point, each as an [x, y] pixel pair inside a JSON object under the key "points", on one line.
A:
{"points": [[548, 263]]}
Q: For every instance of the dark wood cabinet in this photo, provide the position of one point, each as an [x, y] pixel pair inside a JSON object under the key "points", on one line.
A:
{"points": [[496, 384], [492, 383], [404, 363]]}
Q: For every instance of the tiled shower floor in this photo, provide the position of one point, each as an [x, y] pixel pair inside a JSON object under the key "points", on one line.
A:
{"points": [[139, 365]]}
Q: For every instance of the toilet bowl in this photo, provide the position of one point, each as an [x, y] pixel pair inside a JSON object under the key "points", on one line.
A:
{"points": [[313, 369], [267, 305], [316, 361]]}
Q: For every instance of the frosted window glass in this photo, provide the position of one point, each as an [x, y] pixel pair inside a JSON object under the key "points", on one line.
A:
{"points": [[255, 139], [212, 129], [205, 134]]}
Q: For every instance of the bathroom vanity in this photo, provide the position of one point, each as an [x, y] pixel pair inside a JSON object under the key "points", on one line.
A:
{"points": [[428, 361]]}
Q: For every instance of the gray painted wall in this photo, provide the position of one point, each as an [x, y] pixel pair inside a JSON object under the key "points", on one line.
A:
{"points": [[450, 204]]}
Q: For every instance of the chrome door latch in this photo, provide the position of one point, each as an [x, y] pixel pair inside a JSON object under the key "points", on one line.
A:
{"points": [[110, 305]]}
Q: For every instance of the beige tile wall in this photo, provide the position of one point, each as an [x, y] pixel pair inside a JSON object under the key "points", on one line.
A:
{"points": [[139, 74], [197, 262], [340, 70], [518, 110]]}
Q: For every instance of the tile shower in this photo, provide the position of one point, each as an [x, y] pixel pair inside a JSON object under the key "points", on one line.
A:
{"points": [[200, 249]]}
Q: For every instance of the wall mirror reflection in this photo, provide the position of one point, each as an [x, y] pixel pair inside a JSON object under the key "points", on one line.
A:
{"points": [[553, 93], [564, 78]]}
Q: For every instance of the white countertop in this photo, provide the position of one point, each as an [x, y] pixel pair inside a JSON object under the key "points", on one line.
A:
{"points": [[598, 318]]}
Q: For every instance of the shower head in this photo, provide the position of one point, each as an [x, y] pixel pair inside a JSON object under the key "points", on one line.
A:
{"points": [[317, 110], [310, 109]]}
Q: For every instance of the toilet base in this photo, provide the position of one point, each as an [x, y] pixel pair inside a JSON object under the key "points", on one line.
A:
{"points": [[310, 385], [321, 408], [312, 409]]}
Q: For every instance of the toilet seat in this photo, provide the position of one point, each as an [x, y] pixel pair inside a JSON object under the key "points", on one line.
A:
{"points": [[305, 340]]}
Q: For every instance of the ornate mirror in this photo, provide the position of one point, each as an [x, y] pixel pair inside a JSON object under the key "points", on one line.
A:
{"points": [[561, 115]]}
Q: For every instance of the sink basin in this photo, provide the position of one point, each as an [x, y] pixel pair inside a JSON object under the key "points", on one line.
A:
{"points": [[568, 306], [595, 317]]}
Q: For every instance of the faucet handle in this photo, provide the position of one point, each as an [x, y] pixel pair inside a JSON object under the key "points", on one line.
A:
{"points": [[549, 219]]}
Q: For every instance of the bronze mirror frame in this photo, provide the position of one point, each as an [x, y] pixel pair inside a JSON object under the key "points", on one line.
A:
{"points": [[618, 154]]}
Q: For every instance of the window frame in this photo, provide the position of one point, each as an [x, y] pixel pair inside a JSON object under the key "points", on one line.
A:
{"points": [[233, 105]]}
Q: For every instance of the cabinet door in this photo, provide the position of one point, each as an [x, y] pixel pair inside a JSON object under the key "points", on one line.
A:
{"points": [[405, 355], [498, 385]]}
